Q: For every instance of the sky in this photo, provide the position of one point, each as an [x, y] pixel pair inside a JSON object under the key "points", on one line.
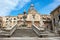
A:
{"points": [[15, 7]]}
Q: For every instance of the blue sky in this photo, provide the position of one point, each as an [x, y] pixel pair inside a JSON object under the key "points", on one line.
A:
{"points": [[15, 7]]}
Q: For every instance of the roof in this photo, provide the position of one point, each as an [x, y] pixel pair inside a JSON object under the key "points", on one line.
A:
{"points": [[32, 8], [10, 16], [55, 9]]}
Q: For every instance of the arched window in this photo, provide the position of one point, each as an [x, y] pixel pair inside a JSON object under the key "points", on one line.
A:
{"points": [[14, 18]]}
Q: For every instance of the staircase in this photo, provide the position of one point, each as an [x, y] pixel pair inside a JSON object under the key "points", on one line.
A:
{"points": [[40, 32], [7, 31]]}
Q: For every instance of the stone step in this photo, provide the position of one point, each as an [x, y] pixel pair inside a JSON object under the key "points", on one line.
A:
{"points": [[30, 38]]}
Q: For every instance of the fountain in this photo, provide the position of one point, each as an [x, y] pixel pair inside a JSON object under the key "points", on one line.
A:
{"points": [[40, 30], [24, 18], [41, 26]]}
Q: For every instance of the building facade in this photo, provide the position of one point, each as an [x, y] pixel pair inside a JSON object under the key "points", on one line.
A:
{"points": [[20, 19], [1, 22], [27, 18], [55, 17], [47, 21], [9, 21]]}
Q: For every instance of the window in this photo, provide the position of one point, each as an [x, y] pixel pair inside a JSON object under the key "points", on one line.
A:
{"points": [[54, 21], [14, 18], [33, 16], [6, 18], [21, 18], [59, 17]]}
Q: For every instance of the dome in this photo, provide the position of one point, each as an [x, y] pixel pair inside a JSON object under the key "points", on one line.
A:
{"points": [[32, 5]]}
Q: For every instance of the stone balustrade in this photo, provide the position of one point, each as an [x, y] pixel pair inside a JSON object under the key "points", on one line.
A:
{"points": [[8, 31], [40, 31]]}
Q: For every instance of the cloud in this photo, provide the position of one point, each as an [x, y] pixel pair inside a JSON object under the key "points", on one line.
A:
{"points": [[6, 6], [57, 0], [50, 7], [22, 3]]}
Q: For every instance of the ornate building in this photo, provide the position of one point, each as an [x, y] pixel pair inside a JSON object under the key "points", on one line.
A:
{"points": [[55, 17], [9, 20], [33, 17]]}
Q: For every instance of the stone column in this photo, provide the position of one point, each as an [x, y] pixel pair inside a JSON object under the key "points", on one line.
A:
{"points": [[53, 26]]}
